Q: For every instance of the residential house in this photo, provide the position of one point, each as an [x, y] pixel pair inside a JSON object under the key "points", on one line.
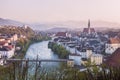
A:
{"points": [[96, 59], [15, 37], [114, 59], [85, 53], [61, 35], [76, 58], [3, 43], [7, 51], [112, 45], [2, 39]]}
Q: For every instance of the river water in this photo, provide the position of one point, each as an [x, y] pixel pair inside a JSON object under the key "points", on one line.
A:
{"points": [[43, 52]]}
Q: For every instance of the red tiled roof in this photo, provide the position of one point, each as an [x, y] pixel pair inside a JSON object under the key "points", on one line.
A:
{"points": [[2, 42], [114, 40], [8, 47], [7, 39], [114, 59], [1, 37], [61, 34], [86, 30]]}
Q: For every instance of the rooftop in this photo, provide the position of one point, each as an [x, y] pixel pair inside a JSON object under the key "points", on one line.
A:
{"points": [[3, 42], [114, 40], [114, 59], [86, 30], [6, 48], [61, 34]]}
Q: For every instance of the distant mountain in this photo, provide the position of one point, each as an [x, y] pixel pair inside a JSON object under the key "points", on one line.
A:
{"points": [[82, 24], [40, 27], [17, 23], [58, 29], [10, 22], [63, 26], [79, 25]]}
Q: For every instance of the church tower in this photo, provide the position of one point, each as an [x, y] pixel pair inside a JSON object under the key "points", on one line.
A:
{"points": [[89, 26]]}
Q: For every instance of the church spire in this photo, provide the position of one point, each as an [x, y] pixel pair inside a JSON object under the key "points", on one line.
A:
{"points": [[89, 26], [89, 23]]}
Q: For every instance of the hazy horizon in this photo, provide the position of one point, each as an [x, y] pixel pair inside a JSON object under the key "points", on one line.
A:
{"points": [[60, 10]]}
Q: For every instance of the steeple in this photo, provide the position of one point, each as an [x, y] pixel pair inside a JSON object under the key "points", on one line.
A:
{"points": [[89, 23], [89, 26]]}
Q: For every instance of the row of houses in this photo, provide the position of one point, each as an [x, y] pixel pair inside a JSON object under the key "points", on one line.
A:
{"points": [[8, 46], [81, 48], [89, 45]]}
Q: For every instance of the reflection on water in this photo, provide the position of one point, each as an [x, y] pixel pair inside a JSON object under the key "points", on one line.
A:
{"points": [[42, 51]]}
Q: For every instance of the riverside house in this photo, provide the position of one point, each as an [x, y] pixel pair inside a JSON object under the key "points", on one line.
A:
{"points": [[7, 48]]}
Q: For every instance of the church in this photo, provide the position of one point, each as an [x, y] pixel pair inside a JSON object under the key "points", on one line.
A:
{"points": [[89, 32]]}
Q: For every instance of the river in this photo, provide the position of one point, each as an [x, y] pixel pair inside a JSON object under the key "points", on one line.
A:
{"points": [[41, 50]]}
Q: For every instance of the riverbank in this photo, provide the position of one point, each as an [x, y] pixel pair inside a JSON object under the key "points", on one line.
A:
{"points": [[41, 50], [5, 70], [59, 50], [21, 54]]}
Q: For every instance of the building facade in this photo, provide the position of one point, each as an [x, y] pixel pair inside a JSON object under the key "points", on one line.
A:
{"points": [[112, 45], [96, 59]]}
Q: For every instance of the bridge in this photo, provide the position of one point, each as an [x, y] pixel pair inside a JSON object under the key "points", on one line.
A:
{"points": [[69, 62]]}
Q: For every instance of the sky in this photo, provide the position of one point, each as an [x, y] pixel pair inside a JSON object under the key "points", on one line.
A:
{"points": [[60, 10]]}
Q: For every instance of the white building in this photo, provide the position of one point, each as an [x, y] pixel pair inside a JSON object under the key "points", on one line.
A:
{"points": [[76, 58], [86, 53], [7, 51], [2, 39], [1, 62], [25, 26], [8, 40], [83, 54], [71, 50], [22, 36], [15, 37], [96, 59], [112, 45]]}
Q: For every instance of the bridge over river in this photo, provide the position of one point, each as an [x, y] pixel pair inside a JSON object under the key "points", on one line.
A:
{"points": [[69, 62]]}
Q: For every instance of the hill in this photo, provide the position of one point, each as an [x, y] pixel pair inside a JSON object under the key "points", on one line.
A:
{"points": [[98, 25], [28, 32], [10, 22]]}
